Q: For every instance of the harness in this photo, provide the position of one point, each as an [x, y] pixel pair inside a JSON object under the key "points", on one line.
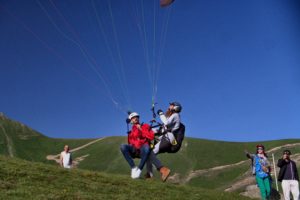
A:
{"points": [[165, 144]]}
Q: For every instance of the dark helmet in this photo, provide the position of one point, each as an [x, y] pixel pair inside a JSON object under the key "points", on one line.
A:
{"points": [[288, 152], [177, 106]]}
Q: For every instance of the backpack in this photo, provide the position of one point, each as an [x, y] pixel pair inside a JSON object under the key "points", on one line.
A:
{"points": [[71, 159], [166, 146], [179, 136]]}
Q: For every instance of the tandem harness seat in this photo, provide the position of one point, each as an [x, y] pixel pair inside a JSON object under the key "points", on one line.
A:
{"points": [[165, 144]]}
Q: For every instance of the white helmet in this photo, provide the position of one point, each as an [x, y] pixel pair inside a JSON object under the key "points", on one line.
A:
{"points": [[132, 115]]}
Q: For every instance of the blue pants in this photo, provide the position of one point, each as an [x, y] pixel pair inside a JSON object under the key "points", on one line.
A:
{"points": [[129, 153]]}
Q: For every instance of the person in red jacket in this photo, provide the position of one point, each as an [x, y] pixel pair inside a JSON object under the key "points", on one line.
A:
{"points": [[138, 144]]}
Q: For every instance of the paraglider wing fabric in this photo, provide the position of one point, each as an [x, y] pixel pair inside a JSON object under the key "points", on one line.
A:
{"points": [[165, 3]]}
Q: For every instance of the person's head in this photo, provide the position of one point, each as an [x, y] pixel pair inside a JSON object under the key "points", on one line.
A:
{"points": [[175, 107], [287, 153], [66, 148], [134, 118], [260, 149]]}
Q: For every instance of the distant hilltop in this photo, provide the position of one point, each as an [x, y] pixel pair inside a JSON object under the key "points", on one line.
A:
{"points": [[5, 117], [2, 115]]}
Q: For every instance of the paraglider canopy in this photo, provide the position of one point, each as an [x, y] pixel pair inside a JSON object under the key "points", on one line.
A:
{"points": [[165, 3]]}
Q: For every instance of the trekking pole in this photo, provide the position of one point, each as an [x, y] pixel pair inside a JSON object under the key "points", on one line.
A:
{"points": [[275, 172]]}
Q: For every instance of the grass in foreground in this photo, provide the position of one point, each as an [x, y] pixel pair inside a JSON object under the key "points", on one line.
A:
{"points": [[21, 179]]}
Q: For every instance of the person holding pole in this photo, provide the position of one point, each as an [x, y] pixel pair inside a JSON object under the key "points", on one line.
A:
{"points": [[288, 176]]}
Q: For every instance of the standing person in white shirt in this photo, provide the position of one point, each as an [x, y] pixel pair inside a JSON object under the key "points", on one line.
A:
{"points": [[66, 158], [288, 175]]}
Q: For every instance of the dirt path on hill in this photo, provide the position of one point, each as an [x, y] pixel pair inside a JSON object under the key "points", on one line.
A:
{"points": [[9, 142], [283, 146], [196, 173], [77, 160]]}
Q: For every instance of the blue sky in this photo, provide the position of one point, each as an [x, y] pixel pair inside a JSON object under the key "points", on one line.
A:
{"points": [[71, 69]]}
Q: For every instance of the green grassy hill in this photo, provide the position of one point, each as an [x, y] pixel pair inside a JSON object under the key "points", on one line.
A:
{"points": [[193, 165], [196, 154], [21, 179], [18, 140]]}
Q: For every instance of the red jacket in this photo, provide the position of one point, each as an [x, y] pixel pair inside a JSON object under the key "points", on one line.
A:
{"points": [[138, 138]]}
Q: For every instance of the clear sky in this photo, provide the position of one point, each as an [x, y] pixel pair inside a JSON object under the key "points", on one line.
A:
{"points": [[71, 68]]}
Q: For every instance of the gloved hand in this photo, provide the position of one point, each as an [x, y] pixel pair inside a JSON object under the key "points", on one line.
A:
{"points": [[160, 112], [153, 121], [127, 120]]}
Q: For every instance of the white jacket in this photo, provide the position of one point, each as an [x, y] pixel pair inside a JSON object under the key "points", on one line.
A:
{"points": [[172, 123]]}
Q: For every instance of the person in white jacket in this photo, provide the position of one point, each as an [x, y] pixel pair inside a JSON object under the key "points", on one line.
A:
{"points": [[170, 123]]}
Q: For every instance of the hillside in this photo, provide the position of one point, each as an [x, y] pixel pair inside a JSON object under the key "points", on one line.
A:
{"points": [[18, 140], [206, 164], [192, 165], [29, 180]]}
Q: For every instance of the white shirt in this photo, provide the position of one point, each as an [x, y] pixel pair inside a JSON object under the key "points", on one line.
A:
{"points": [[66, 158]]}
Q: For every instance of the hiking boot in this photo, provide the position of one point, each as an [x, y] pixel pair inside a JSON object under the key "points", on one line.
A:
{"points": [[165, 172], [148, 175]]}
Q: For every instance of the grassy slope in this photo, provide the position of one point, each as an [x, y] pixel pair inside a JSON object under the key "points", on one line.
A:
{"points": [[3, 144], [195, 154], [21, 179], [105, 155], [29, 144]]}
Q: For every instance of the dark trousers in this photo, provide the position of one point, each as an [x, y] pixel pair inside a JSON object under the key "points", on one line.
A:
{"points": [[153, 160]]}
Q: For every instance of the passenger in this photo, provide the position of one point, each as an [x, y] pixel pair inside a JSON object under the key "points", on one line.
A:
{"points": [[171, 124]]}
